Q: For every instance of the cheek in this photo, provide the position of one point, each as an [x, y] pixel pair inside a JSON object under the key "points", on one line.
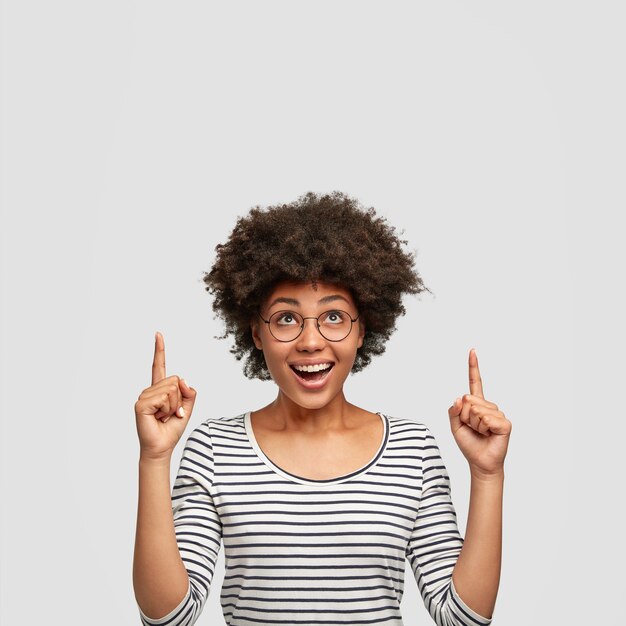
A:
{"points": [[274, 358], [348, 355]]}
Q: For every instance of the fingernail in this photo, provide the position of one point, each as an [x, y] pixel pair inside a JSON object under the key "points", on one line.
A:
{"points": [[181, 412], [185, 382]]}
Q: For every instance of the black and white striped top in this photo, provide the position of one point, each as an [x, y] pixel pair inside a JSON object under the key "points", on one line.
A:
{"points": [[301, 551]]}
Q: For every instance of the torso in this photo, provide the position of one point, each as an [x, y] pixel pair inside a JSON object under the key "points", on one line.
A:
{"points": [[320, 456]]}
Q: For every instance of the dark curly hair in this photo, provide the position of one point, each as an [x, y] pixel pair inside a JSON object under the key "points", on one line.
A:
{"points": [[327, 238]]}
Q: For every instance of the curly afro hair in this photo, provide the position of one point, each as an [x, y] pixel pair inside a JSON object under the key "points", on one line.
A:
{"points": [[326, 238]]}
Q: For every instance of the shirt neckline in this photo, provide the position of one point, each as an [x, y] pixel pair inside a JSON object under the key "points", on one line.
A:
{"points": [[310, 481]]}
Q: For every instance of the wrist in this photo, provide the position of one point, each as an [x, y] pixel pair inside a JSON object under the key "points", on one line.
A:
{"points": [[146, 460], [481, 476]]}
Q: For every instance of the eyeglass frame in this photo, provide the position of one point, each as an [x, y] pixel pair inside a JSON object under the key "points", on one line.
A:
{"points": [[317, 324]]}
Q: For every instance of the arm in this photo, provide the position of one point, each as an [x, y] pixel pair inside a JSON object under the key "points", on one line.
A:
{"points": [[178, 540], [476, 574], [435, 545], [159, 575]]}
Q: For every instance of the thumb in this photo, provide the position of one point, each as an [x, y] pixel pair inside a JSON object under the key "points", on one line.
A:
{"points": [[454, 412], [189, 396]]}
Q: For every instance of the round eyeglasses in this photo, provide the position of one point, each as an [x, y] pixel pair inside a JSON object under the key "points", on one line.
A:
{"points": [[288, 325]]}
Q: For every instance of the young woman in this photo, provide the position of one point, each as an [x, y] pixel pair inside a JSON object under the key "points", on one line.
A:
{"points": [[318, 502]]}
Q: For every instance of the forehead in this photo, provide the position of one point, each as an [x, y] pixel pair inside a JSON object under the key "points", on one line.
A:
{"points": [[297, 294]]}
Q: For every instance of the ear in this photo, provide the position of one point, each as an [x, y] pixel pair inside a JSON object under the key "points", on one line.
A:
{"points": [[254, 327], [361, 334]]}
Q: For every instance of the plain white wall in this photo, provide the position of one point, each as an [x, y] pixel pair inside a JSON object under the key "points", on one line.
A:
{"points": [[135, 133]]}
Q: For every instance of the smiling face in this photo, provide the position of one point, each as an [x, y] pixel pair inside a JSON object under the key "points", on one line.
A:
{"points": [[312, 389]]}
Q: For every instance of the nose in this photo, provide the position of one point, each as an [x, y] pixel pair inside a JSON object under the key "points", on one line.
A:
{"points": [[310, 338]]}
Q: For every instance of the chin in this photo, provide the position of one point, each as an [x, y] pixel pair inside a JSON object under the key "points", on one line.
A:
{"points": [[310, 400]]}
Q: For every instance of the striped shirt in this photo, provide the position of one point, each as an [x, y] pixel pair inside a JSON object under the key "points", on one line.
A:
{"points": [[302, 551]]}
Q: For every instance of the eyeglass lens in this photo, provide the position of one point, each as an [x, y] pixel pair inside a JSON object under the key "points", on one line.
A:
{"points": [[333, 325]]}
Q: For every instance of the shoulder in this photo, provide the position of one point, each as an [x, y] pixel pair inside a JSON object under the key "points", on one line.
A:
{"points": [[215, 426], [212, 432], [411, 432], [408, 426]]}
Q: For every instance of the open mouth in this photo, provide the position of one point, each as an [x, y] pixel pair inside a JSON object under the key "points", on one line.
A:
{"points": [[313, 376]]}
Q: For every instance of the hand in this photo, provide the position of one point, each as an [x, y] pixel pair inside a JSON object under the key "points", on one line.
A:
{"points": [[167, 397], [480, 429]]}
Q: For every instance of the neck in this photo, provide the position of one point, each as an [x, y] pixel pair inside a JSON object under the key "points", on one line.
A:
{"points": [[294, 417]]}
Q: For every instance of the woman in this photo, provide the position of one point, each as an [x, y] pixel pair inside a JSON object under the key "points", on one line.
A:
{"points": [[318, 502]]}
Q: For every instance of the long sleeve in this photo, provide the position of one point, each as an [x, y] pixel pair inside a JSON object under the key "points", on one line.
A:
{"points": [[435, 544], [197, 526]]}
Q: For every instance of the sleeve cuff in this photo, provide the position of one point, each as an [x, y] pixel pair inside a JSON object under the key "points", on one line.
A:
{"points": [[149, 621], [475, 617]]}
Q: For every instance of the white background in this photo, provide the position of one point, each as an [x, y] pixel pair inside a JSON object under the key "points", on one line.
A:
{"points": [[134, 134]]}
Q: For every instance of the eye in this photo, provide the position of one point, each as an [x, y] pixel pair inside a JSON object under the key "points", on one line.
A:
{"points": [[334, 317], [286, 318]]}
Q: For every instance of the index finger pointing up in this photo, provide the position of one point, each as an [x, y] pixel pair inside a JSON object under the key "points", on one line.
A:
{"points": [[475, 381], [158, 363]]}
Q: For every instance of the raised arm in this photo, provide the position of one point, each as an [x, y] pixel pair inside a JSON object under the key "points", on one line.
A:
{"points": [[197, 531], [482, 433], [162, 411], [435, 544]]}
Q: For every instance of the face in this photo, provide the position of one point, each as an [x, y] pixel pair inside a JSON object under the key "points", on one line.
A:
{"points": [[310, 390]]}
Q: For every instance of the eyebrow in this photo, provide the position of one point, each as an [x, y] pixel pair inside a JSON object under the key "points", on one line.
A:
{"points": [[294, 302]]}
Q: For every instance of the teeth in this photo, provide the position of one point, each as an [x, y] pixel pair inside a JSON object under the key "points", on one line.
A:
{"points": [[312, 368]]}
